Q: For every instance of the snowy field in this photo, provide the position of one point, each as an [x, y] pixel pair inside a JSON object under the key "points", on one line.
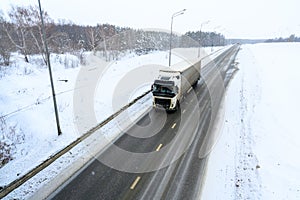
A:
{"points": [[257, 155], [26, 109]]}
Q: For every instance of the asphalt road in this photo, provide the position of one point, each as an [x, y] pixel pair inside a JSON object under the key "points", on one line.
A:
{"points": [[165, 162]]}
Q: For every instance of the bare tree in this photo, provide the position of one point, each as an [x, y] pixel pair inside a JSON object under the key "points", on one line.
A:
{"points": [[102, 44], [61, 43], [25, 30], [5, 44], [52, 36], [93, 35], [18, 30]]}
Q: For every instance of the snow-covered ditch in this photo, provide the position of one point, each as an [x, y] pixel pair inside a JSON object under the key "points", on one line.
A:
{"points": [[257, 154]]}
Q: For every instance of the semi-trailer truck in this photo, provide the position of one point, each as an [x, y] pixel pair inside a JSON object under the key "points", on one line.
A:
{"points": [[173, 83]]}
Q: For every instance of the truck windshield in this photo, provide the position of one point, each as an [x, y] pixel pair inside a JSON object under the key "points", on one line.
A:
{"points": [[161, 90]]}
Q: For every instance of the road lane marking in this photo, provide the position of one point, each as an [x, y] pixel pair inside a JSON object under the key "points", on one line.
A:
{"points": [[159, 147], [135, 183], [173, 125], [92, 69], [189, 90], [183, 111]]}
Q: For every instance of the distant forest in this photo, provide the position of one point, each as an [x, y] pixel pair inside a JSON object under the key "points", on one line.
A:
{"points": [[21, 32], [292, 38]]}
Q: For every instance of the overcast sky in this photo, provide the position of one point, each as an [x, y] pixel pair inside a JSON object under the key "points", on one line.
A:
{"points": [[234, 18]]}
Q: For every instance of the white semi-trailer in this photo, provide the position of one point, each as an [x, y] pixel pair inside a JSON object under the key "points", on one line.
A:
{"points": [[172, 83]]}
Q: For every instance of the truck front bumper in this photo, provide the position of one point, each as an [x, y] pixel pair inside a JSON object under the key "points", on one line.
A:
{"points": [[165, 103]]}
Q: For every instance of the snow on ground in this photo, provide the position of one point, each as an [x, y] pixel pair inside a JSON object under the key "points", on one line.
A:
{"points": [[26, 104], [257, 154]]}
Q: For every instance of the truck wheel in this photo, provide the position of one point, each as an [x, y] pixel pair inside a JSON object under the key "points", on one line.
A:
{"points": [[177, 106], [195, 84]]}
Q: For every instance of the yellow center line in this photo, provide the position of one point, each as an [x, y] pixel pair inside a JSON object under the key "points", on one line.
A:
{"points": [[135, 182], [174, 125], [159, 147]]}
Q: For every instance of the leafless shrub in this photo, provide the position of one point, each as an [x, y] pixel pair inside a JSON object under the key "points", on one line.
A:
{"points": [[10, 135]]}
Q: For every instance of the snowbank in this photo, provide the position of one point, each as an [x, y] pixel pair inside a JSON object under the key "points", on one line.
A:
{"points": [[257, 154]]}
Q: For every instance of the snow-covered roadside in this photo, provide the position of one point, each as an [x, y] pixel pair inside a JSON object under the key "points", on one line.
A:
{"points": [[41, 140], [29, 95], [256, 156], [44, 183], [26, 104]]}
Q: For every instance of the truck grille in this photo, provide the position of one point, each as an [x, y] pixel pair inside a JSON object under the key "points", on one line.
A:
{"points": [[163, 102]]}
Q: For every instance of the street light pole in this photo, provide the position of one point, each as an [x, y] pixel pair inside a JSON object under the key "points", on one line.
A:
{"points": [[200, 40], [170, 42], [174, 15], [212, 39], [50, 72], [220, 29], [221, 38]]}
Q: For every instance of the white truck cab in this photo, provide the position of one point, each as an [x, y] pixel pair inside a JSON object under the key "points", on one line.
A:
{"points": [[172, 83], [166, 90]]}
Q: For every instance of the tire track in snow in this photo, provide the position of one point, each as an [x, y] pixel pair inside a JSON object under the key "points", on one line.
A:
{"points": [[247, 180]]}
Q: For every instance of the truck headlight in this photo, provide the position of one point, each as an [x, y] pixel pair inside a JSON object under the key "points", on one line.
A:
{"points": [[173, 102]]}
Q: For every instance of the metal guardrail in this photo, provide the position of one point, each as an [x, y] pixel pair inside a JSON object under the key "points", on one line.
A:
{"points": [[13, 185]]}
